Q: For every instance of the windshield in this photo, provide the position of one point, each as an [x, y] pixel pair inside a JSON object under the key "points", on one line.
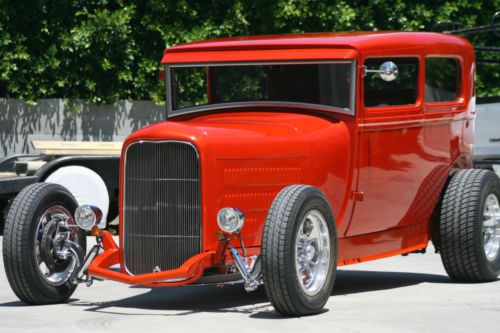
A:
{"points": [[209, 86]]}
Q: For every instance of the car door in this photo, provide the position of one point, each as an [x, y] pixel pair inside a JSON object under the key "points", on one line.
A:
{"points": [[391, 165]]}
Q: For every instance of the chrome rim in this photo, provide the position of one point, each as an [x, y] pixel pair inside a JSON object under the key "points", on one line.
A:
{"points": [[56, 247], [491, 227], [312, 252]]}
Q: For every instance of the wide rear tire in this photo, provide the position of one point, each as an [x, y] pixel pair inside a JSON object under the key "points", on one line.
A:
{"points": [[299, 251], [469, 227], [34, 271]]}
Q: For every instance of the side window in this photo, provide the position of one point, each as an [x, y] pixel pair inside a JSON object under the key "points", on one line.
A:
{"points": [[442, 79], [400, 91]]}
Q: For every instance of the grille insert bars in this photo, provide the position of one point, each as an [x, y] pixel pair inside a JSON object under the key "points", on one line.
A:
{"points": [[162, 206]]}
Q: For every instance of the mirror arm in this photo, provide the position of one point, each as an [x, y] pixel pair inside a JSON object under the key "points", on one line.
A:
{"points": [[366, 70], [388, 71]]}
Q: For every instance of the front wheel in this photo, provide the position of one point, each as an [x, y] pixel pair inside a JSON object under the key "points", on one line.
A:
{"points": [[42, 247], [299, 251]]}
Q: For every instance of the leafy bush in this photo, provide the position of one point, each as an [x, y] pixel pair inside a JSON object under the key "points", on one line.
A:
{"points": [[104, 50]]}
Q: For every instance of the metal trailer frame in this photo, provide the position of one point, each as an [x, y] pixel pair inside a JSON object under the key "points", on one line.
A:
{"points": [[15, 173]]}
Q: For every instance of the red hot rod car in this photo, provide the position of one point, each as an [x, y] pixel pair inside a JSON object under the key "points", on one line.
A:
{"points": [[282, 158]]}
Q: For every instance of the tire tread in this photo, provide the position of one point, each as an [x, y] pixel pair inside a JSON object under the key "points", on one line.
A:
{"points": [[17, 246], [460, 230], [275, 258]]}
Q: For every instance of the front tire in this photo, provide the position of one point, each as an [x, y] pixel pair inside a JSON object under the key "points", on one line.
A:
{"points": [[39, 251], [299, 251], [469, 227]]}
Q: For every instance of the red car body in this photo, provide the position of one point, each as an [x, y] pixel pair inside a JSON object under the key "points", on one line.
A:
{"points": [[382, 168]]}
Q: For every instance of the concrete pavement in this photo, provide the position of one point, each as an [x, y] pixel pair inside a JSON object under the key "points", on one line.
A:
{"points": [[399, 294]]}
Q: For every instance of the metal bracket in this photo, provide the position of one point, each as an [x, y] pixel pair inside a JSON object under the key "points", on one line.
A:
{"points": [[362, 70], [82, 275], [250, 273]]}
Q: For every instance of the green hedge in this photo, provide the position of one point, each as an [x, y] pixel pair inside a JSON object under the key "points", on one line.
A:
{"points": [[104, 50]]}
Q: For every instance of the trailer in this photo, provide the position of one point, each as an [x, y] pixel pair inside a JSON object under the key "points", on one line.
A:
{"points": [[71, 164], [487, 136]]}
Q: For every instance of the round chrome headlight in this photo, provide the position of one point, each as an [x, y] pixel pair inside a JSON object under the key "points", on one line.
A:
{"points": [[230, 219], [87, 216]]}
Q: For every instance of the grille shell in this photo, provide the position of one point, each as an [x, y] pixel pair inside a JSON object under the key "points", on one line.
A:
{"points": [[161, 205]]}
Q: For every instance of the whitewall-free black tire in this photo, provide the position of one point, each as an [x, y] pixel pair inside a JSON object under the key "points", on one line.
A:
{"points": [[469, 226], [299, 251], [33, 233]]}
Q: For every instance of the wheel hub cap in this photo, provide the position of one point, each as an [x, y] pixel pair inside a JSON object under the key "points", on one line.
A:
{"points": [[55, 238], [312, 252], [491, 227]]}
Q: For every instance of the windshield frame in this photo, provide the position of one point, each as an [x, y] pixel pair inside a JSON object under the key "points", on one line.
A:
{"points": [[287, 104]]}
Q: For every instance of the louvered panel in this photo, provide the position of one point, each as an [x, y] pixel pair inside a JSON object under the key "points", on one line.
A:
{"points": [[162, 206]]}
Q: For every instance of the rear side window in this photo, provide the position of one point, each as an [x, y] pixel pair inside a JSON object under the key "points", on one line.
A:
{"points": [[400, 91], [442, 79]]}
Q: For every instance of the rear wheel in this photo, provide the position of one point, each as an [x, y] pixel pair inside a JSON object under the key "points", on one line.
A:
{"points": [[299, 251], [469, 230], [43, 247]]}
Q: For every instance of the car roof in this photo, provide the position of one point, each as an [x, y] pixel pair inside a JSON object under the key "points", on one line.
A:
{"points": [[361, 41]]}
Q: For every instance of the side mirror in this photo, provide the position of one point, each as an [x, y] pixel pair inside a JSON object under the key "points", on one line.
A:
{"points": [[388, 71]]}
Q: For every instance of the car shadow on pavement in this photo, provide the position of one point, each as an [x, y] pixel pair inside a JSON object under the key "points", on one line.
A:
{"points": [[354, 281], [233, 299]]}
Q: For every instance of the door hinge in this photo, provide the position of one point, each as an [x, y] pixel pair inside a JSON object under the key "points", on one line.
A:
{"points": [[358, 195]]}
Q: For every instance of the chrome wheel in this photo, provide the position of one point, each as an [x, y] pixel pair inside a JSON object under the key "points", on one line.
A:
{"points": [[57, 252], [491, 227], [312, 252]]}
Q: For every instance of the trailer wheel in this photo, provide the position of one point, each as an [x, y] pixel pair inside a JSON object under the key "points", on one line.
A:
{"points": [[299, 251], [42, 246], [469, 229]]}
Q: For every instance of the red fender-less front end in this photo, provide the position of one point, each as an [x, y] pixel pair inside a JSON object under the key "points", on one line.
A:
{"points": [[245, 159]]}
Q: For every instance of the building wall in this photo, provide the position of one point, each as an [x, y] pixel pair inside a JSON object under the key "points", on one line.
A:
{"points": [[59, 120]]}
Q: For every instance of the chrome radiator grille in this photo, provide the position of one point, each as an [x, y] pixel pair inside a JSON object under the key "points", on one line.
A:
{"points": [[162, 206]]}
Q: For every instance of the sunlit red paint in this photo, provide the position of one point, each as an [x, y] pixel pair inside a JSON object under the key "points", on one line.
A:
{"points": [[382, 170]]}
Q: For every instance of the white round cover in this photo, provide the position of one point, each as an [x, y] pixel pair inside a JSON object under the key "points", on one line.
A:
{"points": [[87, 187]]}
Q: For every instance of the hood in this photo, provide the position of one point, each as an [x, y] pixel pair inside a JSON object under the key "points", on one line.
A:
{"points": [[248, 135]]}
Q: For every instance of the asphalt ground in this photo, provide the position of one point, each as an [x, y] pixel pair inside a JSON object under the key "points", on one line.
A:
{"points": [[398, 294]]}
